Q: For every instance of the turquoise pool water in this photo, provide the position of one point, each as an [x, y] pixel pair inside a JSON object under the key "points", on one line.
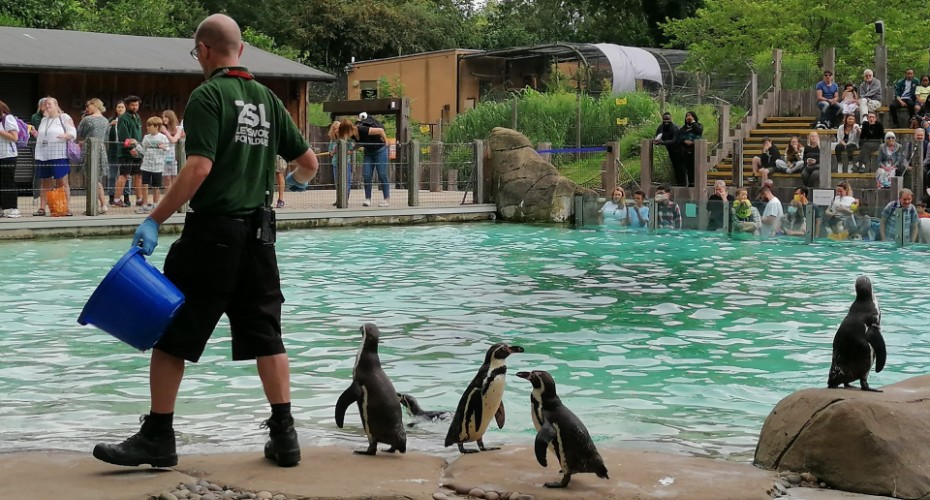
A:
{"points": [[679, 342]]}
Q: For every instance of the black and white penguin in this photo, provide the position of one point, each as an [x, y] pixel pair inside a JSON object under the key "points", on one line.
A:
{"points": [[419, 414], [482, 400], [858, 343], [378, 406], [559, 430]]}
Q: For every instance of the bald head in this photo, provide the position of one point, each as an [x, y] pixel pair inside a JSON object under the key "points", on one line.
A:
{"points": [[221, 33]]}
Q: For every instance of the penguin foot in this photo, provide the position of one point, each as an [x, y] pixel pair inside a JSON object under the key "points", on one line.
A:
{"points": [[372, 450], [559, 484], [463, 450], [482, 447]]}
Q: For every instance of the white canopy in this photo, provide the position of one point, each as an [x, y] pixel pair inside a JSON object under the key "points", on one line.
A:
{"points": [[628, 64]]}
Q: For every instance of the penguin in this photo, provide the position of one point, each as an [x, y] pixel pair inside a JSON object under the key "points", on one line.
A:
{"points": [[482, 400], [378, 406], [559, 430], [419, 414], [858, 343]]}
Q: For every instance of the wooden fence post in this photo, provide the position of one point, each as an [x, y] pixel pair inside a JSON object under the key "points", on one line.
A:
{"points": [[435, 166], [645, 165], [738, 162], [777, 56], [413, 179], [829, 59], [609, 167], [826, 166]]}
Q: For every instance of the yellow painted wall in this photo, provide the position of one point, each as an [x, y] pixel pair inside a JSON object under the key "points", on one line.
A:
{"points": [[429, 81]]}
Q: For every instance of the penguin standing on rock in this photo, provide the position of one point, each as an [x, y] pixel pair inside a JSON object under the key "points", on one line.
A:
{"points": [[482, 400], [559, 430], [858, 343], [377, 401]]}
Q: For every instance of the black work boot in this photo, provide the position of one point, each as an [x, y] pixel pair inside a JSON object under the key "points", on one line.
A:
{"points": [[145, 447], [282, 447]]}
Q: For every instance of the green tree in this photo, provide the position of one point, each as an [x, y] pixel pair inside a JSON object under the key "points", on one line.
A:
{"points": [[725, 35]]}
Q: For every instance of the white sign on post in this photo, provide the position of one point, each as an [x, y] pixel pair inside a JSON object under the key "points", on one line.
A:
{"points": [[823, 197]]}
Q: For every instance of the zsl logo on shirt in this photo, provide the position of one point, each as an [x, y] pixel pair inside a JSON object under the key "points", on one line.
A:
{"points": [[252, 128]]}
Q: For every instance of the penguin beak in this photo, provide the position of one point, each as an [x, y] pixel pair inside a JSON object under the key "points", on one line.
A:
{"points": [[525, 375], [515, 348]]}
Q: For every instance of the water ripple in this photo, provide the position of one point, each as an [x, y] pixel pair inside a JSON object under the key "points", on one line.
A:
{"points": [[683, 341]]}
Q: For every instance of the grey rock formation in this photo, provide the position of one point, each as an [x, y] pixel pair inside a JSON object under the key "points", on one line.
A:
{"points": [[525, 187], [864, 442]]}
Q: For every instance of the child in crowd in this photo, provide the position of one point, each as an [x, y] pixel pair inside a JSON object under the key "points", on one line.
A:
{"points": [[174, 132], [850, 102], [922, 210], [154, 151], [746, 218]]}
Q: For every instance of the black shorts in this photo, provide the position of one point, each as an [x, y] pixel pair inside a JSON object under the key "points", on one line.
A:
{"points": [[222, 268], [130, 166], [151, 179]]}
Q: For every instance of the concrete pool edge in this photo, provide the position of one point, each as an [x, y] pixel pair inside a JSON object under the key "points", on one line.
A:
{"points": [[334, 472], [119, 225]]}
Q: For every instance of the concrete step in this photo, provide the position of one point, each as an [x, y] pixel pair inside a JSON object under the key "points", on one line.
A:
{"points": [[808, 119]]}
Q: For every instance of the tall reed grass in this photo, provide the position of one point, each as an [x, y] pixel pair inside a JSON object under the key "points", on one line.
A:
{"points": [[551, 117]]}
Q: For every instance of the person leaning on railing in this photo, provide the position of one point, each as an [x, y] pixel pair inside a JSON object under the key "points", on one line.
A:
{"points": [[888, 226]]}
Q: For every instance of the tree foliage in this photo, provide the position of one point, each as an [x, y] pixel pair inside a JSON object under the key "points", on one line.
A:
{"points": [[728, 34], [329, 34]]}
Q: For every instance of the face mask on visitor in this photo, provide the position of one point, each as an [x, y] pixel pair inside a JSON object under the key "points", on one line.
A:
{"points": [[792, 210]]}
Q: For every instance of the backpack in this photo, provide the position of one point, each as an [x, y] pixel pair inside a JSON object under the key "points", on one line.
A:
{"points": [[22, 138]]}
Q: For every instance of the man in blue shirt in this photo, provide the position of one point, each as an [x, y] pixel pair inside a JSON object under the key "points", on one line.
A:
{"points": [[904, 97], [827, 101]]}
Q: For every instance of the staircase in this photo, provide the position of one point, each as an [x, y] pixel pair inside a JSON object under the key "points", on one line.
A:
{"points": [[780, 129]]}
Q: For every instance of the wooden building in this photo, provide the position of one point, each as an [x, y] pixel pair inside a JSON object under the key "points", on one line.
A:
{"points": [[74, 66], [444, 83]]}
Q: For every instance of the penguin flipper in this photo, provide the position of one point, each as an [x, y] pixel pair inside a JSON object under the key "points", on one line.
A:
{"points": [[348, 397], [874, 336], [545, 436], [500, 416]]}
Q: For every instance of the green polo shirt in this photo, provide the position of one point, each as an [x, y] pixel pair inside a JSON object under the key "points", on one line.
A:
{"points": [[128, 126], [241, 126]]}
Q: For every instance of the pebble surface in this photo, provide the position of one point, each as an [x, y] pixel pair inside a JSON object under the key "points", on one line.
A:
{"points": [[205, 490], [456, 490]]}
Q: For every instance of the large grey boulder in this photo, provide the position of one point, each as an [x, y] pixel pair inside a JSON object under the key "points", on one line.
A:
{"points": [[864, 442], [527, 188]]}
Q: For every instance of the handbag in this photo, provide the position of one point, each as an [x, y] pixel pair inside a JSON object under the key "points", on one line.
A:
{"points": [[58, 202], [73, 149]]}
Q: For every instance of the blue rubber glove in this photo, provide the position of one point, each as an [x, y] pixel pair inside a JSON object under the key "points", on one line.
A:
{"points": [[146, 236], [293, 185]]}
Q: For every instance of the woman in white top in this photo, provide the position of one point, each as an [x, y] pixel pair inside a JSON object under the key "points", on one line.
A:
{"points": [[9, 132], [615, 210], [51, 152], [847, 141], [840, 211]]}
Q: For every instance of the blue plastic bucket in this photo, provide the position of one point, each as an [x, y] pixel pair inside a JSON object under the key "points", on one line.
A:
{"points": [[134, 302]]}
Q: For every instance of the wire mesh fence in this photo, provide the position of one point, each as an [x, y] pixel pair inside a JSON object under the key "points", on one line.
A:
{"points": [[446, 177]]}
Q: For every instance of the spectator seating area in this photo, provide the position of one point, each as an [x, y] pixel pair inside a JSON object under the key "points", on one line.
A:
{"points": [[780, 129]]}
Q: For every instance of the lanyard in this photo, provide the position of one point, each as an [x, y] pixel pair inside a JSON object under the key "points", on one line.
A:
{"points": [[238, 73]]}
